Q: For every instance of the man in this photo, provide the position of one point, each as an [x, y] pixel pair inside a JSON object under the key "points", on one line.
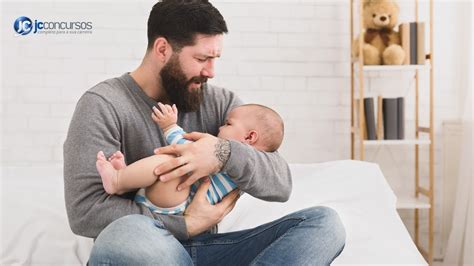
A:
{"points": [[184, 40]]}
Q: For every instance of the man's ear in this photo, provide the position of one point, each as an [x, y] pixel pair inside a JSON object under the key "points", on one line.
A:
{"points": [[162, 49], [252, 137]]}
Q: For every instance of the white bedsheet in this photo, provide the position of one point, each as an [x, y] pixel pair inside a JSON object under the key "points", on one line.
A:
{"points": [[34, 228], [360, 194]]}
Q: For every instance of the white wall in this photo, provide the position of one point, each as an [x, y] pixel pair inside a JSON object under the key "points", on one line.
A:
{"points": [[292, 56]]}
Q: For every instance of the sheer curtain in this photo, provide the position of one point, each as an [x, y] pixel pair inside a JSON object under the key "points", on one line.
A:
{"points": [[459, 250]]}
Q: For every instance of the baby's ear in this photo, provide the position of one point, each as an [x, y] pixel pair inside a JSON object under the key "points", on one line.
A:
{"points": [[251, 137]]}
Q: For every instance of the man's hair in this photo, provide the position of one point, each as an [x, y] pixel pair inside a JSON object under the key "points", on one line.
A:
{"points": [[178, 21], [270, 125]]}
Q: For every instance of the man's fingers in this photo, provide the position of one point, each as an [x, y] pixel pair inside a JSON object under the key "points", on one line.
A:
{"points": [[229, 198], [174, 149], [229, 208], [178, 171], [228, 202], [168, 166], [194, 136], [202, 189], [175, 110], [188, 182]]}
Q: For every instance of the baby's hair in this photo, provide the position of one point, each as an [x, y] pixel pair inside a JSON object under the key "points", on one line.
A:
{"points": [[270, 124]]}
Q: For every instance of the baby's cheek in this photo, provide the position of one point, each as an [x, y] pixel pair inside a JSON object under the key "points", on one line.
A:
{"points": [[221, 134]]}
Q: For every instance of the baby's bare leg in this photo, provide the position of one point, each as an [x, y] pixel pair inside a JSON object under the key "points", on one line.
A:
{"points": [[140, 173], [165, 195], [118, 180]]}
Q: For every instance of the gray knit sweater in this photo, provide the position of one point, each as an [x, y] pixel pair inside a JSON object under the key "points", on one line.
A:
{"points": [[116, 115]]}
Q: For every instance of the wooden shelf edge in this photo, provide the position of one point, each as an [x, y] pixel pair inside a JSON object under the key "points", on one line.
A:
{"points": [[397, 142], [406, 202], [393, 67]]}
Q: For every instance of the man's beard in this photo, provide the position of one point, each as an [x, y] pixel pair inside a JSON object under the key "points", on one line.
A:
{"points": [[176, 86]]}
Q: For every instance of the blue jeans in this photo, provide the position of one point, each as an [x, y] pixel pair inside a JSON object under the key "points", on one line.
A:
{"points": [[313, 236]]}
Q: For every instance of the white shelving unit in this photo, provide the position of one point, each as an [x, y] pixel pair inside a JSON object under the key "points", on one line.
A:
{"points": [[423, 198]]}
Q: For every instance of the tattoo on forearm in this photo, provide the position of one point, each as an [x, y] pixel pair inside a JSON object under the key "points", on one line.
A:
{"points": [[222, 152]]}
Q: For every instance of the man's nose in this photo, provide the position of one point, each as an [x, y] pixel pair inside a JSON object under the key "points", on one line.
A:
{"points": [[208, 70]]}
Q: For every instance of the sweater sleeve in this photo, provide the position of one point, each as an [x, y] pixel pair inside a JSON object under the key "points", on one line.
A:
{"points": [[264, 175], [174, 135], [95, 126]]}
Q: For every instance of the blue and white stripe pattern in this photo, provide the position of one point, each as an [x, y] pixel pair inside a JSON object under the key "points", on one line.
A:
{"points": [[221, 183], [142, 199]]}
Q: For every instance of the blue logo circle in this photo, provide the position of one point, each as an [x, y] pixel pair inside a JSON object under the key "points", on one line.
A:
{"points": [[23, 25]]}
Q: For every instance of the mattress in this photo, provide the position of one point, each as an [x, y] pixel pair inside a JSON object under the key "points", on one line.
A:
{"points": [[363, 199], [35, 230]]}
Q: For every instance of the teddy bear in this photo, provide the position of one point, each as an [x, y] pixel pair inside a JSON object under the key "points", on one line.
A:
{"points": [[381, 41]]}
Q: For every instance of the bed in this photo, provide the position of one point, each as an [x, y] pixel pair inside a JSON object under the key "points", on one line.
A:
{"points": [[35, 228]]}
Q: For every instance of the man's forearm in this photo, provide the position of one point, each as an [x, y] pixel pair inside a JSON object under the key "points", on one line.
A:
{"points": [[264, 175], [222, 152]]}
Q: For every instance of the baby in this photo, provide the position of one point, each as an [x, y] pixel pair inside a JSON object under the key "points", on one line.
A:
{"points": [[253, 124]]}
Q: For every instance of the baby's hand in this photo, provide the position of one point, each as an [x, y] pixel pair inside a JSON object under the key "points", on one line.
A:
{"points": [[167, 117]]}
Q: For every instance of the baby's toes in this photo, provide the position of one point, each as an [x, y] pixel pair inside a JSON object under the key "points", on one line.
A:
{"points": [[101, 156], [118, 155]]}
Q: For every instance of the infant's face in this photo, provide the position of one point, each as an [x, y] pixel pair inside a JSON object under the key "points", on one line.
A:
{"points": [[235, 127]]}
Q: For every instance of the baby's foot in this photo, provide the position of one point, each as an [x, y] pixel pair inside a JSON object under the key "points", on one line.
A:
{"points": [[117, 160], [108, 173]]}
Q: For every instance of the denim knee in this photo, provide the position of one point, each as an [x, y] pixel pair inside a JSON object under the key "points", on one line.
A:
{"points": [[328, 218], [137, 240]]}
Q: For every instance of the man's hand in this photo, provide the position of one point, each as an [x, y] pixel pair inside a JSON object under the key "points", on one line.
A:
{"points": [[200, 215], [205, 156]]}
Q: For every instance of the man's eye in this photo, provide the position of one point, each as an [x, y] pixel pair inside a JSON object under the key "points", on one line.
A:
{"points": [[202, 60]]}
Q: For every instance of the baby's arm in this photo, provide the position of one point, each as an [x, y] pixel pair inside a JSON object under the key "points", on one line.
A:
{"points": [[167, 117]]}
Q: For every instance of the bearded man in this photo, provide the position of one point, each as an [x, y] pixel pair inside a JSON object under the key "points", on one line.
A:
{"points": [[184, 40]]}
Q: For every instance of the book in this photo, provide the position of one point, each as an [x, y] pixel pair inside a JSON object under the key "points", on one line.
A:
{"points": [[390, 118], [404, 30], [369, 118], [413, 43], [401, 118], [359, 116], [379, 118], [420, 42]]}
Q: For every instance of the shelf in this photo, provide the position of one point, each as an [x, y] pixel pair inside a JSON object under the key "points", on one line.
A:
{"points": [[398, 142], [407, 202], [395, 67], [374, 79]]}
